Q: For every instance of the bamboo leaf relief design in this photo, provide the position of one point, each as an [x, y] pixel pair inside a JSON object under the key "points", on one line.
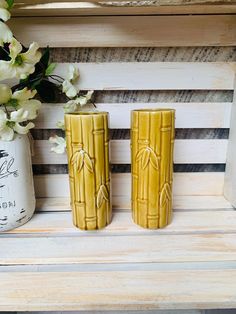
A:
{"points": [[88, 162], [81, 158], [102, 196], [165, 197], [147, 155]]}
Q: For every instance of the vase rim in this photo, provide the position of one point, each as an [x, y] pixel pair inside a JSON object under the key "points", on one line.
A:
{"points": [[150, 110], [86, 113]]}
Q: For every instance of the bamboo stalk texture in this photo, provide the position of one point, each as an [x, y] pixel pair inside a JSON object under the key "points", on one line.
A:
{"points": [[152, 142], [87, 139]]}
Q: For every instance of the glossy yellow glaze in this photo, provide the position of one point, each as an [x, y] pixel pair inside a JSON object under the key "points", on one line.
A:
{"points": [[152, 141], [87, 139]]}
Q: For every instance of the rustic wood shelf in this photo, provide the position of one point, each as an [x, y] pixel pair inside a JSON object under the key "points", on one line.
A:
{"points": [[189, 264]]}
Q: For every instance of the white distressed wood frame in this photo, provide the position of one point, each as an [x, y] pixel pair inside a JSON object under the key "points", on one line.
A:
{"points": [[230, 174], [48, 265], [134, 31]]}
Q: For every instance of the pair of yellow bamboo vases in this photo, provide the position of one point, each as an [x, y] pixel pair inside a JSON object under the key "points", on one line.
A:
{"points": [[152, 142]]}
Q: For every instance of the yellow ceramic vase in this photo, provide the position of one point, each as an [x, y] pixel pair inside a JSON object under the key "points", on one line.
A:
{"points": [[88, 158], [152, 141]]}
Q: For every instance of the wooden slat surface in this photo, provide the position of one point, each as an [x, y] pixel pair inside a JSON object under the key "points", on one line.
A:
{"points": [[188, 115], [120, 290], [230, 174], [85, 8], [132, 31], [184, 184], [180, 202], [154, 75], [186, 152], [118, 249], [159, 2], [184, 222]]}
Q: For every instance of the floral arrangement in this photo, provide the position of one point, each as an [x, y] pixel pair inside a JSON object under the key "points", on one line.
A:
{"points": [[31, 69]]}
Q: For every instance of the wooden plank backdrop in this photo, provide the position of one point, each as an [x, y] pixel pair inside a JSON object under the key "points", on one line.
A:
{"points": [[205, 123], [136, 31]]}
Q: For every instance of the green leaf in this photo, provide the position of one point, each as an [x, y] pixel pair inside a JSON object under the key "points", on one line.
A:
{"points": [[50, 69], [10, 3]]}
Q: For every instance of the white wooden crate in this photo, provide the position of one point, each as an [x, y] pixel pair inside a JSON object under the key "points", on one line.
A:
{"points": [[49, 265]]}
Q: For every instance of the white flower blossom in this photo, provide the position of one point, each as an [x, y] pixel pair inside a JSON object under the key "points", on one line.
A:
{"points": [[20, 115], [31, 106], [73, 104], [25, 109], [83, 100], [6, 36], [70, 106], [24, 94], [72, 74], [4, 13], [68, 86], [60, 144], [6, 133], [69, 89], [21, 64], [23, 129]]}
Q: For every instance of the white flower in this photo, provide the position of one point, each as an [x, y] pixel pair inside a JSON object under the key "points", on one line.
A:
{"points": [[71, 78], [30, 106], [24, 94], [69, 89], [23, 129], [21, 64], [4, 13], [20, 115], [70, 106], [83, 100], [5, 35], [6, 133], [27, 107], [72, 74], [5, 93], [60, 144]]}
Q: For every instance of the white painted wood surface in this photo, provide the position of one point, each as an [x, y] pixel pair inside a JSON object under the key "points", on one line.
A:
{"points": [[159, 2], [120, 31], [119, 290], [120, 249], [230, 174], [128, 312], [186, 152], [201, 183], [181, 202], [154, 75], [184, 222], [188, 115]]}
